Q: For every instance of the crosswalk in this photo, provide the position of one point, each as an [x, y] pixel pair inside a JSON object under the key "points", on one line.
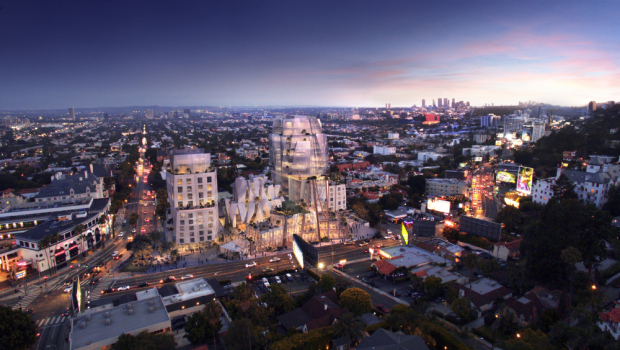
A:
{"points": [[50, 321], [27, 299], [104, 283], [59, 286]]}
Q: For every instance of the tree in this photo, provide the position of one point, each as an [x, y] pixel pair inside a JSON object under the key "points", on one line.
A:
{"points": [[432, 285], [327, 282], [357, 300], [563, 188], [451, 234], [349, 326], [17, 330], [242, 332], [213, 311], [133, 219], [471, 262], [278, 299], [341, 285], [463, 309], [141, 246], [529, 339], [315, 339], [166, 247], [155, 237], [145, 341], [204, 325], [571, 256], [44, 244], [613, 202], [417, 184]]}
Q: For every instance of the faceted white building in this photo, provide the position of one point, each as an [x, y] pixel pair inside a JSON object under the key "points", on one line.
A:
{"points": [[297, 150], [252, 200]]}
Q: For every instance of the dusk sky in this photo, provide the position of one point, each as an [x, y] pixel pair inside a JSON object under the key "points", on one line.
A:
{"points": [[100, 53]]}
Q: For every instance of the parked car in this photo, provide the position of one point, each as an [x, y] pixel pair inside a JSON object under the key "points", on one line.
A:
{"points": [[252, 264], [289, 277], [383, 309], [278, 279]]}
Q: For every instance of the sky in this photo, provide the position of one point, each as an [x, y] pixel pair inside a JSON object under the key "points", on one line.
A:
{"points": [[358, 53]]}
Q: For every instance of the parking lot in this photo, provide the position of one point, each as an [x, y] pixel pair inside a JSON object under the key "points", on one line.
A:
{"points": [[296, 283]]}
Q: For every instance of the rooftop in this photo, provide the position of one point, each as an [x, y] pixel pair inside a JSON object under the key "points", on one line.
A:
{"points": [[188, 290], [93, 330], [484, 286], [411, 256]]}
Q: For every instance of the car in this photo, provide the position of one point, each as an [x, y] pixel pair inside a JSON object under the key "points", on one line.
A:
{"points": [[252, 264], [30, 311], [480, 276], [144, 212], [275, 259], [143, 284], [94, 281], [389, 232], [68, 282], [124, 221], [133, 230], [289, 277], [168, 279], [118, 257], [267, 269], [264, 280], [383, 309], [123, 288], [67, 289], [107, 290], [143, 230], [121, 234], [187, 277], [115, 253], [340, 266], [365, 250], [66, 312]]}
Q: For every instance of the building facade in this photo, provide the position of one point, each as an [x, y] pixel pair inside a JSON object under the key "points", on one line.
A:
{"points": [[383, 150], [445, 187], [297, 150], [192, 194]]}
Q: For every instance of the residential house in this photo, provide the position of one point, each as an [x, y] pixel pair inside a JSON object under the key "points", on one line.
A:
{"points": [[383, 339], [482, 293], [320, 311], [505, 250]]}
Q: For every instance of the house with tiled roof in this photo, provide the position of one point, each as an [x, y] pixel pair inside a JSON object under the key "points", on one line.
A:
{"points": [[383, 339], [505, 250], [609, 322]]}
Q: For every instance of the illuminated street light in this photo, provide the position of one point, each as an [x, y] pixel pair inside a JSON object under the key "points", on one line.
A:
{"points": [[321, 266]]}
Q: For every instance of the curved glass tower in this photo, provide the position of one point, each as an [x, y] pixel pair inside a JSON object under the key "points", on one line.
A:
{"points": [[297, 150]]}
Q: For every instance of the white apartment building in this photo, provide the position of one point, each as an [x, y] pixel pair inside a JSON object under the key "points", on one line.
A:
{"points": [[445, 187], [425, 156], [192, 194], [383, 150], [393, 136], [337, 197], [591, 186]]}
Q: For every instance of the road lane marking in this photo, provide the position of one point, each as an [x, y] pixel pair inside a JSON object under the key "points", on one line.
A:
{"points": [[45, 322], [62, 319]]}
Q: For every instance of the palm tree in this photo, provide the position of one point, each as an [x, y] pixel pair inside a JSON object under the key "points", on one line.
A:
{"points": [[81, 239], [213, 311], [471, 262], [349, 326], [243, 293], [54, 238]]}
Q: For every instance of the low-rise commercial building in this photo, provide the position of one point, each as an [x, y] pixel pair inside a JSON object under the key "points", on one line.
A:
{"points": [[445, 187]]}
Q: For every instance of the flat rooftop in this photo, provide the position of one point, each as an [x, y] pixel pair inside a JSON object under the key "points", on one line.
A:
{"points": [[452, 248], [90, 331], [188, 290], [484, 286], [412, 256]]}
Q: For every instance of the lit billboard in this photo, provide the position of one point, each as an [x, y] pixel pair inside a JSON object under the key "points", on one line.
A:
{"points": [[526, 135], [305, 252], [504, 176], [439, 205], [478, 159], [524, 182], [404, 234], [299, 256]]}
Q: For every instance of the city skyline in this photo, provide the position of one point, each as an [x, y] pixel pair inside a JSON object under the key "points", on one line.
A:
{"points": [[362, 53]]}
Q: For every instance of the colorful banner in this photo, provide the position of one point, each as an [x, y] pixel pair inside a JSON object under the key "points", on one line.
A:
{"points": [[524, 182], [404, 234]]}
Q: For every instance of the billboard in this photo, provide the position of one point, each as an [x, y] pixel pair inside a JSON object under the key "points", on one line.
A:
{"points": [[305, 252], [439, 205], [504, 176], [477, 159], [76, 296], [524, 182], [404, 234], [526, 135], [479, 227], [299, 256]]}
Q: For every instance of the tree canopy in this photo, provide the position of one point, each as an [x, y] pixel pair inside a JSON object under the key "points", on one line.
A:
{"points": [[17, 330], [145, 341], [357, 300]]}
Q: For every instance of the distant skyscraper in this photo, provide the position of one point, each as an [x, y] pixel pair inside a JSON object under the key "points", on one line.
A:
{"points": [[591, 106], [439, 102], [186, 113], [445, 102], [176, 114], [434, 103], [423, 103], [453, 103], [71, 113], [149, 114], [467, 103]]}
